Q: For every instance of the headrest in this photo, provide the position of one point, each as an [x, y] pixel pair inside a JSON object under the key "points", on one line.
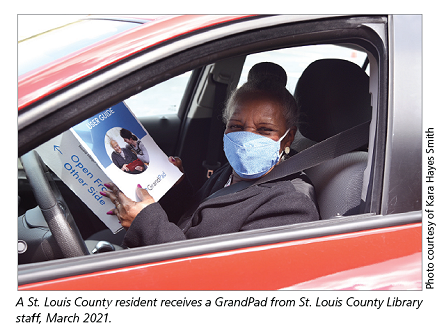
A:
{"points": [[332, 96]]}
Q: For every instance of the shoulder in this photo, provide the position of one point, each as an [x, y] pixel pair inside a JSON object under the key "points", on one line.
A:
{"points": [[303, 184], [297, 181], [296, 186]]}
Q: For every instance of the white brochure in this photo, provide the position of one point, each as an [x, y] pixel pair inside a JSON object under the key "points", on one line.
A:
{"points": [[110, 146]]}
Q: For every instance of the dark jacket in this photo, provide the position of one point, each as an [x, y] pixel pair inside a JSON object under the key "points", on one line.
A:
{"points": [[283, 202]]}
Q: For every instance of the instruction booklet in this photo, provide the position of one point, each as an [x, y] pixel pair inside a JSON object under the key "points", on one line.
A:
{"points": [[110, 146]]}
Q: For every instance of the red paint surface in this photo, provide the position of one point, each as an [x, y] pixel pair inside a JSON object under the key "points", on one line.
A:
{"points": [[44, 81], [274, 266]]}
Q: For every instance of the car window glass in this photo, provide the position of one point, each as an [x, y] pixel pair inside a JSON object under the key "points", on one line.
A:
{"points": [[162, 99], [295, 60]]}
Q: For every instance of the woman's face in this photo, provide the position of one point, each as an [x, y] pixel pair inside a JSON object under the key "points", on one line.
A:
{"points": [[260, 115], [130, 141]]}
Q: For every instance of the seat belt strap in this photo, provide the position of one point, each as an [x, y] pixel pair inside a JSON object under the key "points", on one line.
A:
{"points": [[336, 145], [238, 186]]}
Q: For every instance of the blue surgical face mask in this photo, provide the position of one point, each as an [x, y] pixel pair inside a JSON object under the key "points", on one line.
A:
{"points": [[251, 155]]}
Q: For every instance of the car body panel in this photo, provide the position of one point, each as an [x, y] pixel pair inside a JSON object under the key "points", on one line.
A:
{"points": [[269, 267], [46, 80], [403, 273]]}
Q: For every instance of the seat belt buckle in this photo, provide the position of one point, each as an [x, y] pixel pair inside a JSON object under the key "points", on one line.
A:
{"points": [[210, 168]]}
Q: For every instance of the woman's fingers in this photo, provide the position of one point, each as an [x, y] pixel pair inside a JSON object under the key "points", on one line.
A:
{"points": [[115, 195], [176, 161], [144, 195], [110, 194], [126, 209], [111, 185], [111, 212]]}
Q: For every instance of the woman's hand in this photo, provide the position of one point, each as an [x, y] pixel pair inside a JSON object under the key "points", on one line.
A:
{"points": [[176, 161], [124, 168], [126, 209]]}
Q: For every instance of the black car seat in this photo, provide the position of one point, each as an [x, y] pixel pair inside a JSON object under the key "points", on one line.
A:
{"points": [[333, 95]]}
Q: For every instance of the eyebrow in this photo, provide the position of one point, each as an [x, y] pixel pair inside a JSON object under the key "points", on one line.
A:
{"points": [[264, 123]]}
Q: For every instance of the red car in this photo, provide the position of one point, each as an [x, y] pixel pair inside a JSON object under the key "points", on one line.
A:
{"points": [[166, 69]]}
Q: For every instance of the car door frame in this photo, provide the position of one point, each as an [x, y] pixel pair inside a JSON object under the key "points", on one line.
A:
{"points": [[361, 30]]}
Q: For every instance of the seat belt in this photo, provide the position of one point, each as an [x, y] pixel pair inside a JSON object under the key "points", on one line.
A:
{"points": [[332, 147], [211, 162]]}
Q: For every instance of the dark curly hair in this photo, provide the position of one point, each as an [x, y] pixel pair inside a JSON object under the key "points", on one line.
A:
{"points": [[124, 133]]}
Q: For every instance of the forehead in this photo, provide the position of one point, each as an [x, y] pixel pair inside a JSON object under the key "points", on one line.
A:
{"points": [[258, 106]]}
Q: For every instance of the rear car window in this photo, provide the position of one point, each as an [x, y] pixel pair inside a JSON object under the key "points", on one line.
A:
{"points": [[295, 60]]}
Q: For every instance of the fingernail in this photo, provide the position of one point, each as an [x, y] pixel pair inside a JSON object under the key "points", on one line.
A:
{"points": [[102, 193], [139, 186], [172, 159], [107, 185], [110, 212]]}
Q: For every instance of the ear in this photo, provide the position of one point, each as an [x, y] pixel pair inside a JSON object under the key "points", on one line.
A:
{"points": [[288, 140]]}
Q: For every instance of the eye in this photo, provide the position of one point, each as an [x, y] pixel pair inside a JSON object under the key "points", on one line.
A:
{"points": [[265, 130], [235, 127]]}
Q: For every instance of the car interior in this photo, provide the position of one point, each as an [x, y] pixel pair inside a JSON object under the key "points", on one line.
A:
{"points": [[336, 88]]}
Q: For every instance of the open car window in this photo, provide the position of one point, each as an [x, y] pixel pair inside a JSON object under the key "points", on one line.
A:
{"points": [[158, 110], [162, 99]]}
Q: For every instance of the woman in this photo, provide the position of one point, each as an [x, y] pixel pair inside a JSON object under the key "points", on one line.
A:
{"points": [[260, 126], [135, 145], [123, 157]]}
